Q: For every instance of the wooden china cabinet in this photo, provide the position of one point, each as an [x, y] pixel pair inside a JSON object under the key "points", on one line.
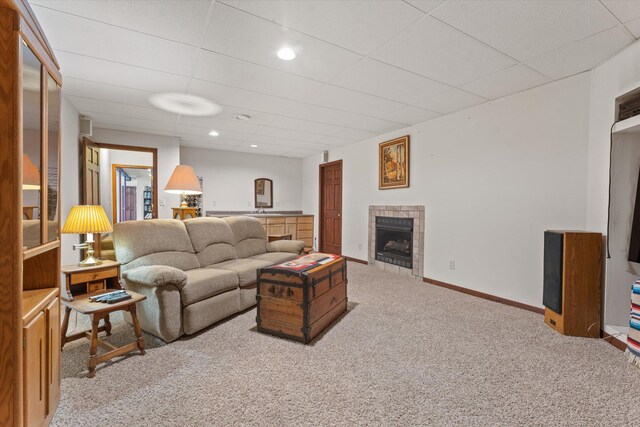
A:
{"points": [[30, 98]]}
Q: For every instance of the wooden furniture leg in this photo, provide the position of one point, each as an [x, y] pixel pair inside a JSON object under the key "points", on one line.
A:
{"points": [[107, 324], [91, 364], [136, 328], [65, 326]]}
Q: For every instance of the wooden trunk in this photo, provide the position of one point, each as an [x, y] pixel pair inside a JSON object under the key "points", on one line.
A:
{"points": [[300, 305]]}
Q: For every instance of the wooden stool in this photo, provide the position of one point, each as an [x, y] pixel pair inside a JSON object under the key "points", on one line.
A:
{"points": [[183, 212], [98, 311]]}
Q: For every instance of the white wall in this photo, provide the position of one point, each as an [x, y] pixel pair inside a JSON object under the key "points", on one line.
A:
{"points": [[168, 159], [492, 178], [69, 176], [619, 75], [228, 178]]}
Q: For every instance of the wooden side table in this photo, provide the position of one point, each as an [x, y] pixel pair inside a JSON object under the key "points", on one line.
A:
{"points": [[98, 311], [183, 212], [282, 236], [84, 282]]}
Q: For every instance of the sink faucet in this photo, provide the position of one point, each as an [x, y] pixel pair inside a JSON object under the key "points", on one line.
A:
{"points": [[260, 211]]}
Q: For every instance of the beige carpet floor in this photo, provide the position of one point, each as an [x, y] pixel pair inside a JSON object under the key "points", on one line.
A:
{"points": [[406, 353]]}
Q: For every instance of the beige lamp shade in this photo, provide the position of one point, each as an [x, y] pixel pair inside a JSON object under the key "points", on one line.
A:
{"points": [[30, 174], [183, 181], [86, 219]]}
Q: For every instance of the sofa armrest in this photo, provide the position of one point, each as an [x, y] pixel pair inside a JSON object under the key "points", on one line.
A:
{"points": [[293, 246], [156, 275]]}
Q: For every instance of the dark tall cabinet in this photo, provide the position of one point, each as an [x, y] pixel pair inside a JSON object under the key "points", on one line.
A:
{"points": [[572, 280]]}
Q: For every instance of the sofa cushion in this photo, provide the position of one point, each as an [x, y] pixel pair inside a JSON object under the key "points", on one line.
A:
{"points": [[246, 269], [204, 283], [250, 237], [166, 239], [156, 275], [275, 257], [212, 240]]}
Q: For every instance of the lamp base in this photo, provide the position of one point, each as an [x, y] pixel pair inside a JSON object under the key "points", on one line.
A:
{"points": [[90, 261]]}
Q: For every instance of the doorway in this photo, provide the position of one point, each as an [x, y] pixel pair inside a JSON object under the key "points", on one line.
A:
{"points": [[131, 192], [330, 222]]}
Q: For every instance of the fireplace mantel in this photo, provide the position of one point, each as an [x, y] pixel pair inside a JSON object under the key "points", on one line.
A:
{"points": [[407, 211]]}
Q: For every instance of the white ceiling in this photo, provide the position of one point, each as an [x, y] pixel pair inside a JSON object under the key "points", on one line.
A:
{"points": [[363, 67]]}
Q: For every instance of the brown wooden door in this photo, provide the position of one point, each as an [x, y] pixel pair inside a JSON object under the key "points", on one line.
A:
{"points": [[130, 204], [35, 368], [91, 181], [331, 207]]}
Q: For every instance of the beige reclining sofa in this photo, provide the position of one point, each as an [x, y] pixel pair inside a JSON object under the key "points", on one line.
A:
{"points": [[197, 272]]}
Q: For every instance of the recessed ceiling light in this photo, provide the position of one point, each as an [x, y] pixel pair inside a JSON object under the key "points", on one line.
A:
{"points": [[182, 103], [214, 133], [243, 117], [254, 146], [286, 54]]}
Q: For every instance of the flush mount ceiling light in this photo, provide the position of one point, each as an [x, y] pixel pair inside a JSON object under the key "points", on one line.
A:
{"points": [[243, 117], [214, 133], [182, 103], [286, 54], [253, 146]]}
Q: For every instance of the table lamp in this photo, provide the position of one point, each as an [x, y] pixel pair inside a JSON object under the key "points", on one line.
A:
{"points": [[87, 219], [30, 174], [183, 181]]}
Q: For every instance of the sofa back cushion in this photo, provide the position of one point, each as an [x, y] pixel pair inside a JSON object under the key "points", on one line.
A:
{"points": [[249, 235], [212, 240], [154, 242]]}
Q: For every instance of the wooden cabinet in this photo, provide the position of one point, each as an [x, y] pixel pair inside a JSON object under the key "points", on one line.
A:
{"points": [[30, 83], [299, 226]]}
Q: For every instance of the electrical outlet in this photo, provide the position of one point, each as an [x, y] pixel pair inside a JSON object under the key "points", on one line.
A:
{"points": [[161, 202], [452, 264]]}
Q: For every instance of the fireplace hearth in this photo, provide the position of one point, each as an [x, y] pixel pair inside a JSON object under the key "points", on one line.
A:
{"points": [[394, 241]]}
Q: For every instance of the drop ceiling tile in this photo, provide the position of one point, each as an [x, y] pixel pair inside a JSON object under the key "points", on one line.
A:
{"points": [[134, 129], [233, 72], [85, 105], [206, 124], [581, 55], [304, 152], [506, 82], [306, 126], [437, 51], [180, 20], [150, 126], [357, 25], [260, 40], [129, 76], [105, 92], [624, 10], [380, 79], [334, 141], [634, 27], [526, 28], [355, 102], [451, 101], [230, 112], [290, 134], [355, 134], [86, 37], [427, 6], [276, 105], [410, 115]]}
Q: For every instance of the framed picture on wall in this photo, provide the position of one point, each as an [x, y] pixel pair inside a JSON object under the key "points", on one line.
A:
{"points": [[393, 163]]}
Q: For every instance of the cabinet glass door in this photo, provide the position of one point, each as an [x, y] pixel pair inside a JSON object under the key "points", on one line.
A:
{"points": [[53, 139], [32, 147]]}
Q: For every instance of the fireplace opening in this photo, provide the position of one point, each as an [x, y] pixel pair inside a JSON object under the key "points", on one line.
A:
{"points": [[394, 241]]}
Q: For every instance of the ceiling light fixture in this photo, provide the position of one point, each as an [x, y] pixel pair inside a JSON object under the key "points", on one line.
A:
{"points": [[185, 104], [253, 146], [243, 117], [214, 133], [286, 54]]}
